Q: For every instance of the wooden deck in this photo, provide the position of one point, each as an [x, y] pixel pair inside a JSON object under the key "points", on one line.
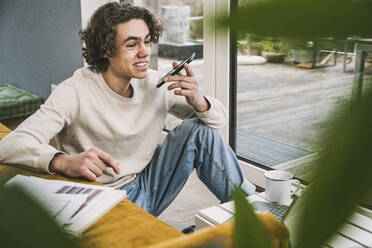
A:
{"points": [[292, 105], [288, 103]]}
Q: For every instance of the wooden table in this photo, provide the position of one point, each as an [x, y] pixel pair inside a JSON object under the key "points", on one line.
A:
{"points": [[126, 225]]}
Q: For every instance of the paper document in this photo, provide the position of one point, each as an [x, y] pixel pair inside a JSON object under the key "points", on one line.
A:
{"points": [[75, 206]]}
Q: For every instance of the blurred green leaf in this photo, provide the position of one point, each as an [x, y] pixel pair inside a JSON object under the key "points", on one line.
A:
{"points": [[301, 18], [249, 230], [344, 177], [23, 223]]}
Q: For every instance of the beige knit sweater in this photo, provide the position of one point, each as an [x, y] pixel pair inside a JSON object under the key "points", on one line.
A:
{"points": [[84, 112]]}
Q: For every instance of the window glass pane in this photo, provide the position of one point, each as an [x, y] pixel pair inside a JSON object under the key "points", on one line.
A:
{"points": [[287, 92], [183, 34]]}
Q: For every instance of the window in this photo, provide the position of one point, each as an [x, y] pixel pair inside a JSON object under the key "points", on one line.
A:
{"points": [[283, 94]]}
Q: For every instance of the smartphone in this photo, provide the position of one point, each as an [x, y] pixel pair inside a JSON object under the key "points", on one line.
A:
{"points": [[176, 70]]}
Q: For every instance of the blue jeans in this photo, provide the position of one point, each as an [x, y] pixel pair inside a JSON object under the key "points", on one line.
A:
{"points": [[191, 145]]}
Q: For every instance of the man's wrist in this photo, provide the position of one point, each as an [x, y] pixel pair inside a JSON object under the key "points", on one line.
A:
{"points": [[204, 106], [56, 162]]}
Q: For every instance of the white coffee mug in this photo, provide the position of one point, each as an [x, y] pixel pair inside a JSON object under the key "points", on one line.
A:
{"points": [[278, 186]]}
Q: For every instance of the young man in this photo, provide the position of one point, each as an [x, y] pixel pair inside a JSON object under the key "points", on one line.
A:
{"points": [[109, 119]]}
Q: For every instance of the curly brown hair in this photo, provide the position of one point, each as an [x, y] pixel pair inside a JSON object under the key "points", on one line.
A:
{"points": [[99, 37]]}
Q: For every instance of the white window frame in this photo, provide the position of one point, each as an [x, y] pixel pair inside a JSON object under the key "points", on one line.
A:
{"points": [[87, 8], [216, 53]]}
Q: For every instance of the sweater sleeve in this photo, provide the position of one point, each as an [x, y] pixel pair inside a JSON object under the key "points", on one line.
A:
{"points": [[28, 144], [214, 117]]}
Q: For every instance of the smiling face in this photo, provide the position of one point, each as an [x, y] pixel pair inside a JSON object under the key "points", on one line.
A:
{"points": [[133, 50]]}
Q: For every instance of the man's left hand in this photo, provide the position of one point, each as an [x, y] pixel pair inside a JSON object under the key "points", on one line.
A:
{"points": [[187, 86]]}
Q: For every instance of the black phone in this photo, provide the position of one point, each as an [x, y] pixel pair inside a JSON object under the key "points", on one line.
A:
{"points": [[176, 70]]}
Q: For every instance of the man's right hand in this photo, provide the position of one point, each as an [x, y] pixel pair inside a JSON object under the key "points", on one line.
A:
{"points": [[89, 164]]}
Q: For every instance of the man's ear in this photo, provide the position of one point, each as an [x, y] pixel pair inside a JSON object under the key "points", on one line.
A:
{"points": [[104, 52]]}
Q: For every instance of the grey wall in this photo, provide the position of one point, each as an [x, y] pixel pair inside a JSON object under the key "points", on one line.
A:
{"points": [[39, 43]]}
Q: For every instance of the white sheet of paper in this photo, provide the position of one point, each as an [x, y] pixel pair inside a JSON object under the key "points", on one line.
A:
{"points": [[62, 199]]}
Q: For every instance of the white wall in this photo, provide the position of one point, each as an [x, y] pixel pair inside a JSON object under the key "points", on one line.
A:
{"points": [[39, 43]]}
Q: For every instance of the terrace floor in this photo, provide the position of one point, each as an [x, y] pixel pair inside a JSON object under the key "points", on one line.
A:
{"points": [[290, 105]]}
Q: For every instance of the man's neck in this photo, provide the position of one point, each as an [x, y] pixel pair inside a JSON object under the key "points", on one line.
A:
{"points": [[120, 85]]}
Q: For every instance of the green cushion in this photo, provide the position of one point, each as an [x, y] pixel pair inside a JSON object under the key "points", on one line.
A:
{"points": [[16, 102]]}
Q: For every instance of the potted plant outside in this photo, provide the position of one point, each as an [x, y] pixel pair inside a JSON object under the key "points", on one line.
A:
{"points": [[272, 51]]}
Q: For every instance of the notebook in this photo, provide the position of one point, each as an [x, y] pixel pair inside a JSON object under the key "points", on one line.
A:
{"points": [[216, 215], [280, 211]]}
